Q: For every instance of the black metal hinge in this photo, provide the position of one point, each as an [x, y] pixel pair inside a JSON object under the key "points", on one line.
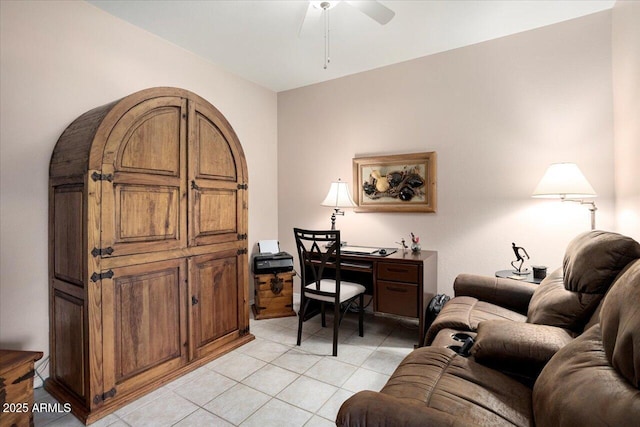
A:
{"points": [[242, 251], [242, 236], [243, 186], [29, 374], [102, 177], [106, 275], [104, 396], [101, 252]]}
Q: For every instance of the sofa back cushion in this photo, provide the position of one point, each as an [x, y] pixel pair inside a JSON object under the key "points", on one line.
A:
{"points": [[601, 366], [569, 296], [620, 324], [552, 304], [594, 259]]}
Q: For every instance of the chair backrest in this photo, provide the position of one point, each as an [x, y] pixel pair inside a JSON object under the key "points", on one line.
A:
{"points": [[319, 255]]}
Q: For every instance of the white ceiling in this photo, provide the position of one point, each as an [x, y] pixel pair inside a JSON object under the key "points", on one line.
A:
{"points": [[262, 41]]}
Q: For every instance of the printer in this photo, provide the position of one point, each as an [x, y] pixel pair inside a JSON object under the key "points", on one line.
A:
{"points": [[265, 263], [271, 260]]}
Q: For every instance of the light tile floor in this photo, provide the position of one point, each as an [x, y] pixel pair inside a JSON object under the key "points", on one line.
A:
{"points": [[270, 381]]}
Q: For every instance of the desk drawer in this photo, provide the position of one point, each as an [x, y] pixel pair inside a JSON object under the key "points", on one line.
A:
{"points": [[397, 298], [398, 272]]}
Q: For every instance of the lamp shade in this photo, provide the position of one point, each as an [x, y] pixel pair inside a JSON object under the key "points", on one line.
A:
{"points": [[564, 181], [338, 196]]}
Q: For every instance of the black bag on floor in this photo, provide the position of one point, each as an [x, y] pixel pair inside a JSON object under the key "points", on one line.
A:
{"points": [[433, 309]]}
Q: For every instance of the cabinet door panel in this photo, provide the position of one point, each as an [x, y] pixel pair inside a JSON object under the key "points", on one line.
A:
{"points": [[68, 208], [153, 144], [216, 203], [68, 334], [143, 208], [147, 213], [215, 298], [144, 318], [215, 159], [215, 215]]}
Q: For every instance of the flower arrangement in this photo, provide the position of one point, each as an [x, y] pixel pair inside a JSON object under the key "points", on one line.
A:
{"points": [[415, 243]]}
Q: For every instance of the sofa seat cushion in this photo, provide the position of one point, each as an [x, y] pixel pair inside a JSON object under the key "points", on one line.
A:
{"points": [[465, 314], [440, 379], [578, 387]]}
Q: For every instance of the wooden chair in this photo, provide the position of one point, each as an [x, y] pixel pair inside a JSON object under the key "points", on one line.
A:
{"points": [[319, 254]]}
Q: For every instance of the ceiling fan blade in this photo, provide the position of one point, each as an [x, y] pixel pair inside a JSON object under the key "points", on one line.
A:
{"points": [[312, 14], [374, 9]]}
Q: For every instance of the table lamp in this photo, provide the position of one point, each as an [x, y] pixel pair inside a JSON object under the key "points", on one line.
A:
{"points": [[566, 182], [338, 197]]}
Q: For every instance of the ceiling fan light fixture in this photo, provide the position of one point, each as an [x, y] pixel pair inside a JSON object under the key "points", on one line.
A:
{"points": [[324, 5]]}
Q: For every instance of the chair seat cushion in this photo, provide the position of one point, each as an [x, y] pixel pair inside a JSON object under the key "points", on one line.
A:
{"points": [[348, 290]]}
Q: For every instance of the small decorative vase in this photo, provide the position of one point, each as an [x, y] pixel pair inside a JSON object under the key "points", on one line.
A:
{"points": [[415, 247]]}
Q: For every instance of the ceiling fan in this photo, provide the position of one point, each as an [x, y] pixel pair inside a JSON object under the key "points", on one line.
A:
{"points": [[372, 8]]}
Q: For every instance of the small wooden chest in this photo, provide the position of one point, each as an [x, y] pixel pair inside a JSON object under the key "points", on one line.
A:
{"points": [[16, 387], [274, 295]]}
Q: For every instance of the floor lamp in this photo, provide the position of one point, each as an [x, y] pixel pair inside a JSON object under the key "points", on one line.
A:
{"points": [[566, 182]]}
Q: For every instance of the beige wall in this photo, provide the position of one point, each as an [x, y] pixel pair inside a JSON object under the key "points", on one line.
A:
{"points": [[497, 113], [60, 59], [626, 105]]}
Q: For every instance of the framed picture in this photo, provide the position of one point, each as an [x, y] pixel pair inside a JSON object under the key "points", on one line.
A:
{"points": [[395, 183]]}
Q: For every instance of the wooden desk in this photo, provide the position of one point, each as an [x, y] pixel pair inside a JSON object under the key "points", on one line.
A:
{"points": [[401, 283]]}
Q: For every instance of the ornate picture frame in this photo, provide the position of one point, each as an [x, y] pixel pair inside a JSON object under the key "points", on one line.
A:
{"points": [[395, 183]]}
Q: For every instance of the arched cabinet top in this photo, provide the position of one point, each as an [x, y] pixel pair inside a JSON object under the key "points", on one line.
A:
{"points": [[93, 139]]}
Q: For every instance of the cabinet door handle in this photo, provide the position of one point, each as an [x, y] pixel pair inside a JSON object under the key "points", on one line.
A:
{"points": [[194, 300]]}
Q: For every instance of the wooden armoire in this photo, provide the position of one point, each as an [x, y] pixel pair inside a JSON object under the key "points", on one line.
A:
{"points": [[147, 248]]}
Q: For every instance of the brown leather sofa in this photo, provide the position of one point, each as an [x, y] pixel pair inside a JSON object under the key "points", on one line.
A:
{"points": [[593, 379], [567, 298]]}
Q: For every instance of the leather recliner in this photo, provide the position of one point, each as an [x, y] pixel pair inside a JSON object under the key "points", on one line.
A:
{"points": [[593, 380], [567, 298]]}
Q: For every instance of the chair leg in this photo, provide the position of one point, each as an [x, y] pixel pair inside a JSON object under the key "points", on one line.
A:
{"points": [[361, 316], [324, 320], [304, 303], [336, 327]]}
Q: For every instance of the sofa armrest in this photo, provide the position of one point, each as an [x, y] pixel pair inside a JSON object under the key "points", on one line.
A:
{"points": [[507, 293], [374, 409], [519, 349]]}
